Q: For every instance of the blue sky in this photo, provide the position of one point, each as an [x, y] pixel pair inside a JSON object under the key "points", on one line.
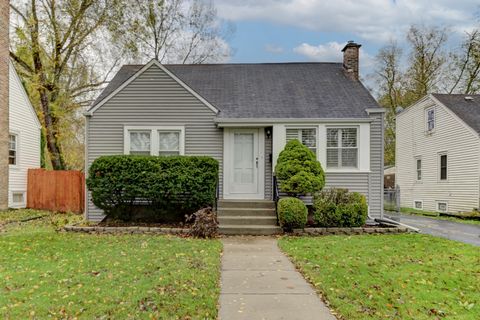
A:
{"points": [[316, 30]]}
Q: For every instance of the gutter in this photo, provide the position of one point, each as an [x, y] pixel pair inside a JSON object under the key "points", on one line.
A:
{"points": [[396, 223]]}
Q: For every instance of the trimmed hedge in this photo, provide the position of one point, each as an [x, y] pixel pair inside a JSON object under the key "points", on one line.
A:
{"points": [[292, 213], [164, 188], [298, 170], [340, 208]]}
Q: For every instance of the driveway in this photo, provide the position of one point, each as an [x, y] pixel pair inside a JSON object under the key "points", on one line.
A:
{"points": [[467, 233]]}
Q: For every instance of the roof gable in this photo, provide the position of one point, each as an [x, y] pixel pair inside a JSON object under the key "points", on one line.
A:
{"points": [[21, 88], [128, 74], [468, 111]]}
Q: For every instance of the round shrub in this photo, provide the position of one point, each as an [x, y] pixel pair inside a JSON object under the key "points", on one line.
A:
{"points": [[163, 188], [292, 213], [298, 170], [340, 208]]}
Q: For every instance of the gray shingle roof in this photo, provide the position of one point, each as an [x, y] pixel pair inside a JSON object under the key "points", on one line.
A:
{"points": [[467, 110], [270, 90]]}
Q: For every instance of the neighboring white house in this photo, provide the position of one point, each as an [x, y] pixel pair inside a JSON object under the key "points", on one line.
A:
{"points": [[438, 153], [24, 150]]}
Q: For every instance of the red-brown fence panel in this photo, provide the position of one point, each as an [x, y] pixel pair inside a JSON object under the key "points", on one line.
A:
{"points": [[56, 190]]}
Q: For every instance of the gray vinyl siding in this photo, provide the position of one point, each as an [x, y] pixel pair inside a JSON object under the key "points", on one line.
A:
{"points": [[355, 182], [268, 167], [152, 99], [376, 166], [369, 184]]}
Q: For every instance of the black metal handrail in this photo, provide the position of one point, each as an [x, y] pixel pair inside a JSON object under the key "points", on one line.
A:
{"points": [[276, 195], [217, 195]]}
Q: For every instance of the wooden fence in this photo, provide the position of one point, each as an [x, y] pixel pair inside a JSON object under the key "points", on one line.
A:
{"points": [[56, 190]]}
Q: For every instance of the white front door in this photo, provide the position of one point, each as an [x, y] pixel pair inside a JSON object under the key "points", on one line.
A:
{"points": [[244, 164]]}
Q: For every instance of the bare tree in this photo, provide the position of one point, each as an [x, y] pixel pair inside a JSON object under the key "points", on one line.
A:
{"points": [[465, 66], [174, 31], [53, 45], [426, 60], [389, 80]]}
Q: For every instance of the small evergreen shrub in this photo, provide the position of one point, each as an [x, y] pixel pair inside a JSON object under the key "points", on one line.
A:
{"points": [[164, 188], [292, 213], [340, 208], [298, 170]]}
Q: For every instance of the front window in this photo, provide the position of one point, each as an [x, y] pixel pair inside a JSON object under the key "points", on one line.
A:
{"points": [[443, 167], [418, 205], [140, 142], [13, 149], [307, 136], [169, 143], [155, 141], [342, 148], [430, 119]]}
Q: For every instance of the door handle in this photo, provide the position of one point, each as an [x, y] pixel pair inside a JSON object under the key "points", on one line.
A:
{"points": [[256, 161]]}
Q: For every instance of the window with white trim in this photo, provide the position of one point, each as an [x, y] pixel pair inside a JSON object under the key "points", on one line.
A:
{"points": [[169, 143], [443, 164], [430, 119], [18, 198], [418, 204], [442, 206], [158, 141], [140, 142], [418, 162], [307, 136], [13, 149], [342, 148]]}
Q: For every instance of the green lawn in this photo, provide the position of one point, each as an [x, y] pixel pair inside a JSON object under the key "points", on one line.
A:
{"points": [[436, 215], [408, 276], [49, 274], [13, 215]]}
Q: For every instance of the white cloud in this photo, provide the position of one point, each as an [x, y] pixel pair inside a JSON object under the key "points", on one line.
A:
{"points": [[329, 52], [373, 20], [273, 48], [332, 52]]}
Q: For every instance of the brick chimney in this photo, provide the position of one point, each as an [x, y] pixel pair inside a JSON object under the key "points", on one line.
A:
{"points": [[351, 59], [4, 127]]}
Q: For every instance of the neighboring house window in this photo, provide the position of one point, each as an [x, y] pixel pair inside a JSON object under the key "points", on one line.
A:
{"points": [[430, 119], [13, 149], [140, 142], [442, 206], [155, 141], [342, 148], [418, 205], [443, 167], [169, 143], [307, 137], [419, 169], [18, 198]]}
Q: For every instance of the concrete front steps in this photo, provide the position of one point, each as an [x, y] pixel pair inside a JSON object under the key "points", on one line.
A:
{"points": [[247, 217]]}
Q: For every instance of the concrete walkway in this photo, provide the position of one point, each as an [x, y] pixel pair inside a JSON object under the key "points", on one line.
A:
{"points": [[259, 282], [467, 233]]}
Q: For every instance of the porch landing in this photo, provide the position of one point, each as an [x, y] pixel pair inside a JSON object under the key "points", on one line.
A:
{"points": [[247, 217]]}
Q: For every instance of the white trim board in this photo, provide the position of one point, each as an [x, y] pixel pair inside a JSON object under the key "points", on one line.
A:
{"points": [[141, 71]]}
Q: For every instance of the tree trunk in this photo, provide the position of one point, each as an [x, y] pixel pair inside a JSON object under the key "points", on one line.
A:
{"points": [[51, 132], [4, 123]]}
